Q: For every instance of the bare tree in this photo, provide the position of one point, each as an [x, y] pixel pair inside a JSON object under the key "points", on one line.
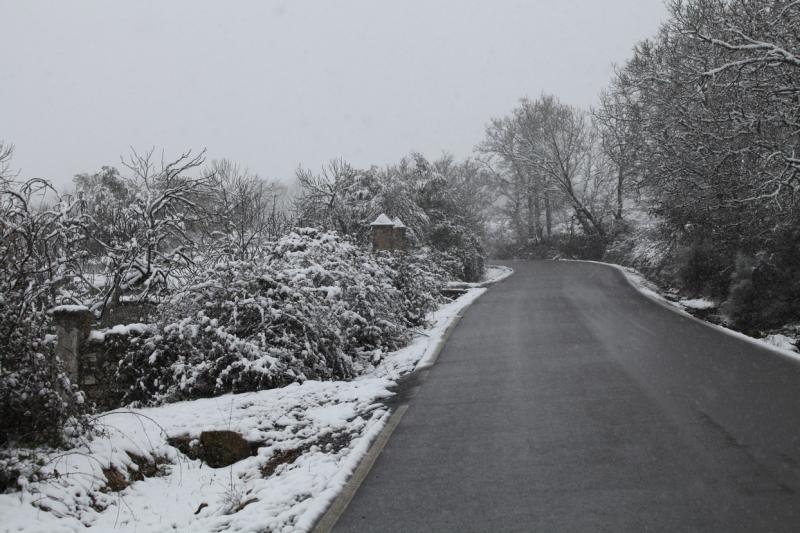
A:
{"points": [[618, 120], [339, 198], [245, 211], [6, 154], [546, 151]]}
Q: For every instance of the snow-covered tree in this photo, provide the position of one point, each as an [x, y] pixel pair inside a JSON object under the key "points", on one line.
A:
{"points": [[143, 228], [244, 212], [423, 194]]}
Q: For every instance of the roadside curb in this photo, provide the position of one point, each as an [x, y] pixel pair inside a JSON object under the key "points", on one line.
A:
{"points": [[345, 496], [431, 360]]}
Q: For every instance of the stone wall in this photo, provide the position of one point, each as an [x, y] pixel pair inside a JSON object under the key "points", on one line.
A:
{"points": [[91, 357]]}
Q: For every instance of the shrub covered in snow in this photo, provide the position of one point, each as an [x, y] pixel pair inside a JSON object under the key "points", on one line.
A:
{"points": [[641, 242], [313, 306], [36, 397], [457, 241], [765, 288], [418, 276]]}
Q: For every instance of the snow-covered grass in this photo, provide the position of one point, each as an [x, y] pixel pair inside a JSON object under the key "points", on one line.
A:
{"points": [[311, 437]]}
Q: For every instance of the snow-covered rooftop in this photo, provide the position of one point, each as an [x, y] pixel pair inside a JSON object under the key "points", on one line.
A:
{"points": [[382, 220], [398, 223]]}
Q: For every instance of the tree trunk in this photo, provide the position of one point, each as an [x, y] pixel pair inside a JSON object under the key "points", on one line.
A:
{"points": [[531, 214], [620, 174], [588, 222], [537, 213], [548, 215]]}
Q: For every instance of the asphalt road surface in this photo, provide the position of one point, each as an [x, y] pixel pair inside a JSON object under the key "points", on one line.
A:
{"points": [[566, 401]]}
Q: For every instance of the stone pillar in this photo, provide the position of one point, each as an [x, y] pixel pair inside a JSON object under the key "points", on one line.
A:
{"points": [[73, 325]]}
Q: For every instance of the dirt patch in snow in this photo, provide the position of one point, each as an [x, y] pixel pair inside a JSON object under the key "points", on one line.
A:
{"points": [[217, 449]]}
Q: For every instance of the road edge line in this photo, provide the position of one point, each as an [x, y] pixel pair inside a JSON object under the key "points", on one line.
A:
{"points": [[667, 304], [342, 501], [431, 360]]}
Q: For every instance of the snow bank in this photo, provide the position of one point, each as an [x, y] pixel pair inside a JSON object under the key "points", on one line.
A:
{"points": [[67, 309], [492, 274], [495, 273], [697, 303], [782, 342]]}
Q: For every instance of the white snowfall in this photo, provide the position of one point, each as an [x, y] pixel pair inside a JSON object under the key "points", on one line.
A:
{"points": [[316, 417]]}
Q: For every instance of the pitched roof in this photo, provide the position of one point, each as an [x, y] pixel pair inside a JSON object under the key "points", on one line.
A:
{"points": [[398, 223], [382, 220]]}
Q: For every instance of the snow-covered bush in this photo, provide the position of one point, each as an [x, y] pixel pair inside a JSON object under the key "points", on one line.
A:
{"points": [[313, 306], [765, 288], [457, 241], [641, 242], [36, 397], [419, 276], [702, 268]]}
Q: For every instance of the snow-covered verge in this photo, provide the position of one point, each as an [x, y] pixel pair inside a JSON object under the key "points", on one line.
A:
{"points": [[697, 308], [306, 440], [492, 274]]}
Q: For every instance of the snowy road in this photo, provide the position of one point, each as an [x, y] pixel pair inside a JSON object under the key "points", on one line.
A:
{"points": [[566, 401]]}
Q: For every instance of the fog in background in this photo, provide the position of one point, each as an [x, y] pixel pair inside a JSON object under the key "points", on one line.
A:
{"points": [[276, 84]]}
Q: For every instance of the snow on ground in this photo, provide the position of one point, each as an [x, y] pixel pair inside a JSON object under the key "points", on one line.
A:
{"points": [[697, 303], [493, 274], [784, 342], [313, 435]]}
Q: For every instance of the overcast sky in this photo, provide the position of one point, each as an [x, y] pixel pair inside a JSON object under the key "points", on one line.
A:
{"points": [[276, 84]]}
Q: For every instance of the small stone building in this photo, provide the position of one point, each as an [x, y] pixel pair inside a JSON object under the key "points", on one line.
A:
{"points": [[388, 234]]}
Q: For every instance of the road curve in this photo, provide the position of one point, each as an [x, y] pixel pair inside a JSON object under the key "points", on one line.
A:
{"points": [[567, 401]]}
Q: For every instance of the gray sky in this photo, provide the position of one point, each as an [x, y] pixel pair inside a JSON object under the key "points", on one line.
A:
{"points": [[275, 84]]}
